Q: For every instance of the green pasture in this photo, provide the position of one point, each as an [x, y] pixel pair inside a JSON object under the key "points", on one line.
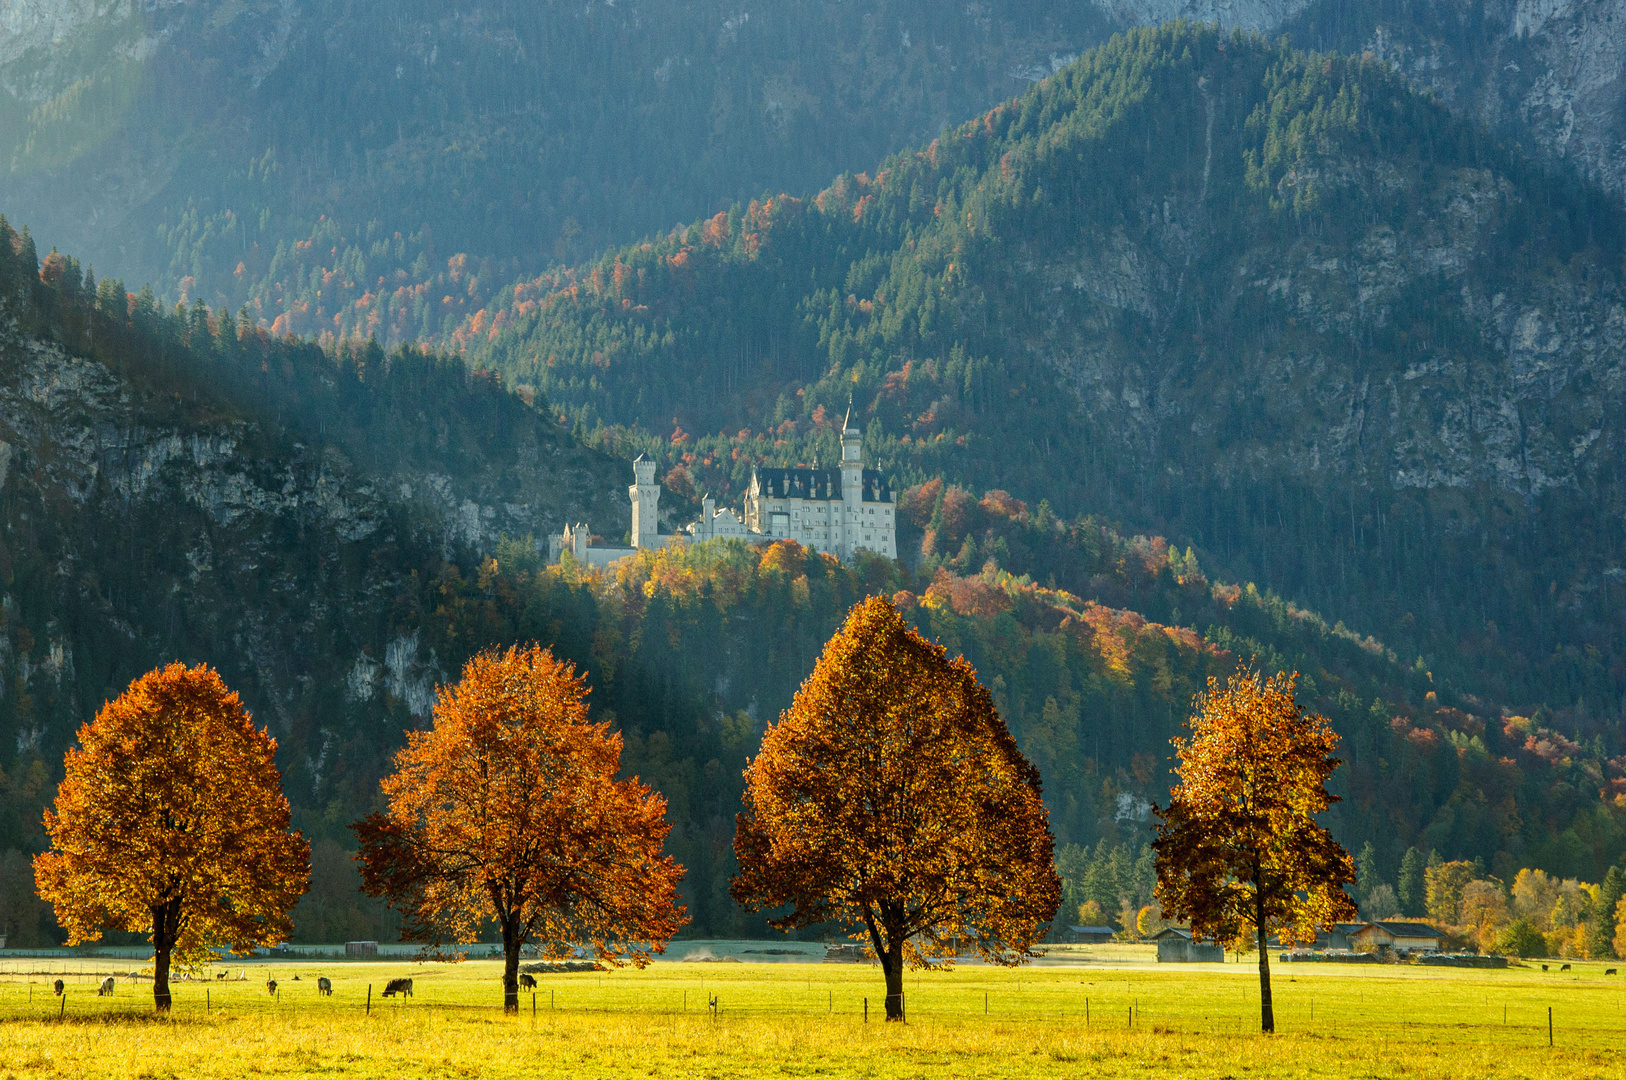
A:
{"points": [[1105, 1016]]}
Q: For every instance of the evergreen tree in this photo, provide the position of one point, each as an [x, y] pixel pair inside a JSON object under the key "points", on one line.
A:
{"points": [[1610, 892], [1413, 897], [1366, 870]]}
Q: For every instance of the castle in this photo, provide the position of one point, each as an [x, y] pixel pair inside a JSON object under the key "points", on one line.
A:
{"points": [[839, 511]]}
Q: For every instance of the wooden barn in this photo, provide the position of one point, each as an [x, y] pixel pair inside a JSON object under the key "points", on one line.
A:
{"points": [[1176, 946], [1397, 937], [1088, 935]]}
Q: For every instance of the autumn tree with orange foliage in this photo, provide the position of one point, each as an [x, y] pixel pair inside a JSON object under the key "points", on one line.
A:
{"points": [[891, 798], [170, 820], [1239, 851], [508, 810]]}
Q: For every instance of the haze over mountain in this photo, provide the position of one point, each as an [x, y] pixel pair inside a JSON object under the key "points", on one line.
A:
{"points": [[1280, 305], [1322, 332], [386, 167]]}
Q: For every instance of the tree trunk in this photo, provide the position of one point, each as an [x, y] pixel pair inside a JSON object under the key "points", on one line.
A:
{"points": [[889, 951], [160, 979], [892, 965], [510, 967], [166, 924], [1267, 1015]]}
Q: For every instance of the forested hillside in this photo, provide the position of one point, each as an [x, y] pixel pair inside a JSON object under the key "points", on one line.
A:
{"points": [[381, 165], [174, 485], [179, 487], [1273, 304], [386, 168]]}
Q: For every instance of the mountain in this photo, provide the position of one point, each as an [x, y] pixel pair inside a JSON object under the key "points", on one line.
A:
{"points": [[177, 486], [1318, 330], [230, 149], [337, 531], [385, 169], [1274, 304], [1548, 75]]}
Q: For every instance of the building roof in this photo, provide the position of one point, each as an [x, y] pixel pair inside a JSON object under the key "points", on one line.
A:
{"points": [[1092, 929], [1407, 929], [1172, 932], [823, 485]]}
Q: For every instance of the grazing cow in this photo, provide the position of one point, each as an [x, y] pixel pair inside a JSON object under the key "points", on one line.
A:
{"points": [[1566, 967], [106, 989], [1608, 971], [528, 981], [57, 986], [324, 986], [271, 987], [398, 986], [1544, 967]]}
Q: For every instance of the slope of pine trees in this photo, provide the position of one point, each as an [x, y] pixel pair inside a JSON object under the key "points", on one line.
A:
{"points": [[247, 510], [1268, 303]]}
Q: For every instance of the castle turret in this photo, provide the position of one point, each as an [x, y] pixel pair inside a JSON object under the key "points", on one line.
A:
{"points": [[646, 496], [852, 482]]}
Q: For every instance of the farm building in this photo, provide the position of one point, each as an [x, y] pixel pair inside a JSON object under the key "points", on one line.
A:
{"points": [[1339, 936], [1088, 935], [1176, 946], [361, 948], [1399, 937]]}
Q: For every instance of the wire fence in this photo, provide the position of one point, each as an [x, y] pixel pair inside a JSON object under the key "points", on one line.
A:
{"points": [[1584, 1010]]}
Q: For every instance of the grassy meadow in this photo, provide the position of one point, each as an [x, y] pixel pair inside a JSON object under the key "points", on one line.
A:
{"points": [[808, 1019]]}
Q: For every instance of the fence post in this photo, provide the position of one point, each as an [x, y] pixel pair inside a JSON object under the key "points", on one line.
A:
{"points": [[1549, 1025], [369, 999], [63, 1011], [866, 1010]]}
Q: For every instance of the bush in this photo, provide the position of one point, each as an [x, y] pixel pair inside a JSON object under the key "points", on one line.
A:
{"points": [[1521, 938]]}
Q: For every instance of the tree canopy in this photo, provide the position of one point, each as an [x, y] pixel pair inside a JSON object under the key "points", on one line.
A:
{"points": [[508, 810], [170, 820], [1239, 850], [891, 799]]}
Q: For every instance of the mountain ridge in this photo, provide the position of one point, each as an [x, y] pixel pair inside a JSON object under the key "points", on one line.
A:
{"points": [[1405, 326], [170, 491]]}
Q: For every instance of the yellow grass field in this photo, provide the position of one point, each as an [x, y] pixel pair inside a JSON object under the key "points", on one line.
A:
{"points": [[799, 1020]]}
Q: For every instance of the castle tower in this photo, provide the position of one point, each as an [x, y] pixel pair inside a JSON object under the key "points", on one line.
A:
{"points": [[646, 496], [852, 484]]}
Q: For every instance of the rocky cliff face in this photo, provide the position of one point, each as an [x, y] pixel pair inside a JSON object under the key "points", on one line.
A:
{"points": [[1523, 403], [146, 519], [1547, 73]]}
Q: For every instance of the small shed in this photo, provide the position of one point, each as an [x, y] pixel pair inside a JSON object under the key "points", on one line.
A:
{"points": [[1175, 945], [361, 948], [1088, 935], [1399, 937]]}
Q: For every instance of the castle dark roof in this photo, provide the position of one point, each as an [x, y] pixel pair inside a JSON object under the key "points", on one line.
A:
{"points": [[821, 484]]}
